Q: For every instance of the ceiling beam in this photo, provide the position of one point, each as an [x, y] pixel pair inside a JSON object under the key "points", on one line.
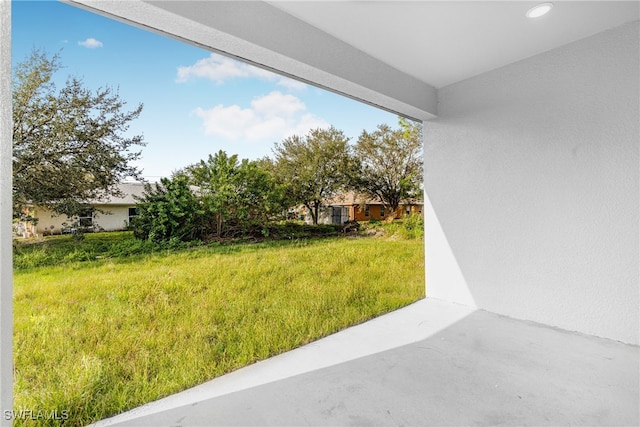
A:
{"points": [[265, 36]]}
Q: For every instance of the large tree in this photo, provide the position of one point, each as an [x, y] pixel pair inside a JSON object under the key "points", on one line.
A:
{"points": [[238, 196], [314, 167], [69, 145], [390, 163]]}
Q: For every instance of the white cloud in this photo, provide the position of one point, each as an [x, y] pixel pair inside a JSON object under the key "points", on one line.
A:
{"points": [[306, 123], [271, 117], [91, 43], [219, 68], [292, 84], [229, 122], [277, 104]]}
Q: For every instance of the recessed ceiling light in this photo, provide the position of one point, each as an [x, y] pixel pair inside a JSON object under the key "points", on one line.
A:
{"points": [[539, 10]]}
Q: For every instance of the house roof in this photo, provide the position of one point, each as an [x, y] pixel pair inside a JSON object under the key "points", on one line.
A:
{"points": [[129, 191], [352, 198]]}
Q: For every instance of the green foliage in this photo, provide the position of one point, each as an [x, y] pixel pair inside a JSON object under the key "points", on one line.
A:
{"points": [[390, 163], [36, 257], [77, 235], [412, 227], [213, 199], [300, 230], [60, 250], [314, 167], [68, 145], [374, 221], [409, 227], [239, 198], [169, 210]]}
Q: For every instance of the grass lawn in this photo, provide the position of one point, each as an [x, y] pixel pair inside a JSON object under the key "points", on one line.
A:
{"points": [[96, 338]]}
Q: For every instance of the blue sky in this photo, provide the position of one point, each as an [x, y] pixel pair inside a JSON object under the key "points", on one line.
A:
{"points": [[195, 102]]}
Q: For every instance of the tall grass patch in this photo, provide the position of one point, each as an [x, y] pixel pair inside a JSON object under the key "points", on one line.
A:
{"points": [[408, 227], [101, 337]]}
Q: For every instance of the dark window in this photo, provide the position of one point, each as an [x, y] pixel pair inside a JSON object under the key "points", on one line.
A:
{"points": [[366, 210], [85, 219], [132, 212], [381, 211]]}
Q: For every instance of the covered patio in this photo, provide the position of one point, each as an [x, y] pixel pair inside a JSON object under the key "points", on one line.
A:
{"points": [[532, 187], [432, 363]]}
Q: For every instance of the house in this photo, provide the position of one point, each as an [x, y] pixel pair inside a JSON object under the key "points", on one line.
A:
{"points": [[109, 214], [351, 206], [361, 208]]}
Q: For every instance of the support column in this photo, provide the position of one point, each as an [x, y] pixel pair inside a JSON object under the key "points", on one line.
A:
{"points": [[6, 264]]}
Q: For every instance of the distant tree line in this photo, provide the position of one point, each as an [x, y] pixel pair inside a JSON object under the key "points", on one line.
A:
{"points": [[223, 197], [69, 147]]}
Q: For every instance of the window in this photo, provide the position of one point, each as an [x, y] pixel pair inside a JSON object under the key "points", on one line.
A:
{"points": [[85, 218], [381, 211], [132, 212], [366, 210]]}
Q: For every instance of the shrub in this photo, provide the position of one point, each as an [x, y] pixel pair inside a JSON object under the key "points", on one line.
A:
{"points": [[374, 221], [411, 227], [168, 211]]}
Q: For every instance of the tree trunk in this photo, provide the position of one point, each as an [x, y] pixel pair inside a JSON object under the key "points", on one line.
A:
{"points": [[314, 213], [219, 225]]}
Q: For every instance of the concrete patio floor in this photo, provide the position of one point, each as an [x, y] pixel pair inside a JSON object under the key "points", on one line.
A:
{"points": [[432, 363]]}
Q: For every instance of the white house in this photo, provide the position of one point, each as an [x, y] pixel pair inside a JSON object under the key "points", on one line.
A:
{"points": [[109, 214]]}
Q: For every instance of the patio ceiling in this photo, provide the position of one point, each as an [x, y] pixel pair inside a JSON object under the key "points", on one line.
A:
{"points": [[443, 42], [391, 54]]}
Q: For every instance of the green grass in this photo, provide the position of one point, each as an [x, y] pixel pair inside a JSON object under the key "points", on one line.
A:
{"points": [[56, 250], [96, 338], [408, 227]]}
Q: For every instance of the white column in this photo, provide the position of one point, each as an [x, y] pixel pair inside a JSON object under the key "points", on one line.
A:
{"points": [[6, 268]]}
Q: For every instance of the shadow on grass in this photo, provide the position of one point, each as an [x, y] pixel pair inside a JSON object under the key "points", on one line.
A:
{"points": [[122, 247]]}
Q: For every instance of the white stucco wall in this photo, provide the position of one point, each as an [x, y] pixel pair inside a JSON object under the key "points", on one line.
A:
{"points": [[112, 220], [47, 220], [532, 171]]}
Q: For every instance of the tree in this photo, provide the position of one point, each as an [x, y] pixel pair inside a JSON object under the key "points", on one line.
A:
{"points": [[238, 196], [68, 145], [218, 197], [390, 163], [168, 210], [314, 167], [214, 179]]}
